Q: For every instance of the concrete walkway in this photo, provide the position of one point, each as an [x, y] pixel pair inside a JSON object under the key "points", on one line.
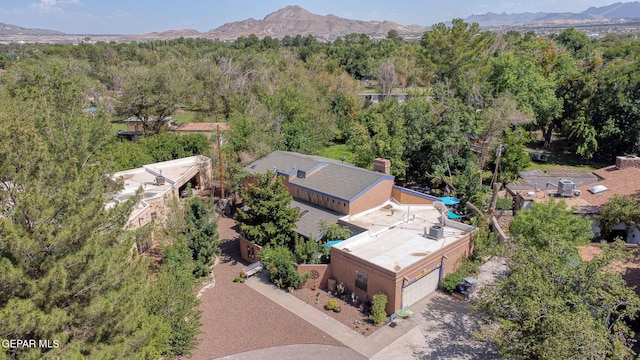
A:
{"points": [[440, 328], [367, 346]]}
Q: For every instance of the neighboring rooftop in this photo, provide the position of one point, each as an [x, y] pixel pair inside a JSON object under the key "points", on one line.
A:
{"points": [[202, 127], [172, 173], [625, 182], [536, 180], [399, 235], [338, 179]]}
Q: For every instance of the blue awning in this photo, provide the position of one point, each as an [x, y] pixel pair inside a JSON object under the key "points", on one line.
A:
{"points": [[332, 242], [448, 200]]}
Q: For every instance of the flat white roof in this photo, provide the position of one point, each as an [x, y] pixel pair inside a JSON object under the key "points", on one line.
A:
{"points": [[145, 177], [396, 236]]}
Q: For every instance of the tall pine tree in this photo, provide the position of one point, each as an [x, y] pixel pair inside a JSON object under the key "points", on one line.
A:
{"points": [[68, 273]]}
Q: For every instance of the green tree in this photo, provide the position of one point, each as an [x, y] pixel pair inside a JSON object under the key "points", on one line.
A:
{"points": [[378, 313], [453, 50], [201, 232], [514, 157], [68, 273], [619, 209], [266, 217], [554, 306], [171, 297], [150, 96], [550, 225], [333, 231]]}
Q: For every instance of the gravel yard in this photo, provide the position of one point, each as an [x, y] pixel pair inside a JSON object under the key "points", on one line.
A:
{"points": [[235, 318]]}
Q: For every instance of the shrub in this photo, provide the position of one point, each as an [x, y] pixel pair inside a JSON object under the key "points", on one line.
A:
{"points": [[378, 314], [238, 279], [282, 271], [450, 282], [331, 304]]}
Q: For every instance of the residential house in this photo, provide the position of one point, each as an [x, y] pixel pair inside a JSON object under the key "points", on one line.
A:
{"points": [[587, 195], [402, 242], [159, 183]]}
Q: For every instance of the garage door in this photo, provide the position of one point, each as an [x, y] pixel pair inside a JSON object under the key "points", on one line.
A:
{"points": [[414, 292]]}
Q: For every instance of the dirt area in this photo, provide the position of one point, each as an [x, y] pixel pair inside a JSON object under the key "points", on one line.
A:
{"points": [[349, 315], [236, 319]]}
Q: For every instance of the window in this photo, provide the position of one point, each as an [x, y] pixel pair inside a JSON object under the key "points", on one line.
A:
{"points": [[361, 281]]}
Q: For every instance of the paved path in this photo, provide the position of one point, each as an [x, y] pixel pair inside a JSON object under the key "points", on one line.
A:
{"points": [[366, 346], [441, 328]]}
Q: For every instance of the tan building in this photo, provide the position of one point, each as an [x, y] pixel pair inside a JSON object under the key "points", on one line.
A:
{"points": [[159, 183], [327, 188], [405, 252], [404, 244]]}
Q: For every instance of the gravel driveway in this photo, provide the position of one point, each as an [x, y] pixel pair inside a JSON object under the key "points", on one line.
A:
{"points": [[236, 319]]}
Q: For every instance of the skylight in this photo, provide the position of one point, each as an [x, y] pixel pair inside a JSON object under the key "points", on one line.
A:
{"points": [[597, 189]]}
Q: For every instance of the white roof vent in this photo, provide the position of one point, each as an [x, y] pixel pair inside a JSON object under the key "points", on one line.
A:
{"points": [[597, 189]]}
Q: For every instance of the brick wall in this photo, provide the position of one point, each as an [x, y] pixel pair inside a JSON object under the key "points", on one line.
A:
{"points": [[373, 197]]}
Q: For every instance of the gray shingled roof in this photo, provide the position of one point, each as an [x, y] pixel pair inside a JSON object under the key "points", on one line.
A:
{"points": [[310, 217], [283, 161], [337, 179]]}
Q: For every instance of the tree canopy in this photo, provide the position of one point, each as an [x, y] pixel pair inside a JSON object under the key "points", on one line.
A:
{"points": [[266, 217]]}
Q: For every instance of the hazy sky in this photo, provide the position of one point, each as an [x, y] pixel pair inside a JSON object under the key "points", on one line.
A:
{"points": [[144, 16]]}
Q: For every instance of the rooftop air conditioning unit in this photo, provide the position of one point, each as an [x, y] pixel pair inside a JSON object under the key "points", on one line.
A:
{"points": [[436, 232], [566, 188], [160, 179]]}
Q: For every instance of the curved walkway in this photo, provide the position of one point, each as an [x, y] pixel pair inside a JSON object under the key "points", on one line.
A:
{"points": [[307, 352]]}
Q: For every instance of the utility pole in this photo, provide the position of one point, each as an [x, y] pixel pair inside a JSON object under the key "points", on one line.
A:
{"points": [[220, 162], [494, 182]]}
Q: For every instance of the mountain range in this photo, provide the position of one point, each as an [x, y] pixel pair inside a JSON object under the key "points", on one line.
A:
{"points": [[294, 20], [617, 11]]}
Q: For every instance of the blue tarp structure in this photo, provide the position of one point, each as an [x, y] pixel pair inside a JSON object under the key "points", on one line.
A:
{"points": [[448, 200], [332, 242], [452, 215]]}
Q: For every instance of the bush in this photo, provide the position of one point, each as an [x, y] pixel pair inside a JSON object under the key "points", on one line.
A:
{"points": [[450, 282], [282, 271], [378, 314], [332, 304]]}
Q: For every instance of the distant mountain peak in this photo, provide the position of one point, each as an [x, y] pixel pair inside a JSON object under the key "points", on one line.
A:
{"points": [[295, 20]]}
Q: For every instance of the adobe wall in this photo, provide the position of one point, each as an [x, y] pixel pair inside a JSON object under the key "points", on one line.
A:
{"points": [[324, 272], [248, 250], [373, 197], [407, 196], [344, 267]]}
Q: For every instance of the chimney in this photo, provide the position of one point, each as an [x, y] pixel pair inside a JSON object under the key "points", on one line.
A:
{"points": [[382, 165], [627, 161]]}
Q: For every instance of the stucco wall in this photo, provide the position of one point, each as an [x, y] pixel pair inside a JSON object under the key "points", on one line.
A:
{"points": [[373, 197], [344, 267], [406, 196], [249, 251], [324, 272], [328, 202]]}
